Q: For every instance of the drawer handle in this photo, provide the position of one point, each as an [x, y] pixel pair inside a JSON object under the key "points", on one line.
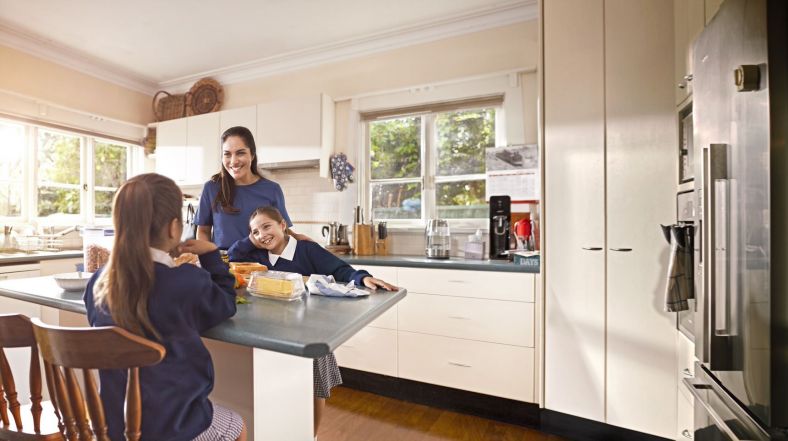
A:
{"points": [[457, 281], [348, 346], [686, 434], [593, 248], [686, 372], [623, 250], [459, 317], [454, 363]]}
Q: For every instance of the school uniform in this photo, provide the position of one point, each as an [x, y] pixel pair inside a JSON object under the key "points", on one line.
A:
{"points": [[306, 258], [184, 302]]}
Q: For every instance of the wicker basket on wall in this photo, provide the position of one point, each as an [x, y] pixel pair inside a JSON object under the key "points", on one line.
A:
{"points": [[167, 106]]}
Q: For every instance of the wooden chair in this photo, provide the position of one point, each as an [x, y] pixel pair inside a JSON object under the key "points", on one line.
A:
{"points": [[66, 349], [16, 331]]}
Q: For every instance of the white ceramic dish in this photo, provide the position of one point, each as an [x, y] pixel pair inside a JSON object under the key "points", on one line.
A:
{"points": [[75, 281]]}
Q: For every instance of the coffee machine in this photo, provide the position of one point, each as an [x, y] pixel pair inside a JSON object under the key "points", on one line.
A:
{"points": [[500, 218]]}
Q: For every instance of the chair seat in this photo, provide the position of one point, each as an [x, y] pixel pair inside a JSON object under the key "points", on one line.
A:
{"points": [[49, 428]]}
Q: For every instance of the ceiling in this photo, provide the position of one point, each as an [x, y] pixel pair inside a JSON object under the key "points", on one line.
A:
{"points": [[149, 44]]}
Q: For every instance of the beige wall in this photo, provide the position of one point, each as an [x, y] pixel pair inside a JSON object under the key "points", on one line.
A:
{"points": [[31, 76]]}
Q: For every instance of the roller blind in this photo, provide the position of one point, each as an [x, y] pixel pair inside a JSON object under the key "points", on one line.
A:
{"points": [[443, 106]]}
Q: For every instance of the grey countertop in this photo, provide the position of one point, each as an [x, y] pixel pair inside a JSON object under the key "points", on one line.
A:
{"points": [[457, 263], [308, 328], [37, 256]]}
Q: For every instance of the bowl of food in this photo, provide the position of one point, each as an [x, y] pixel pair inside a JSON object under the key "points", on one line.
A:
{"points": [[74, 281], [242, 271]]}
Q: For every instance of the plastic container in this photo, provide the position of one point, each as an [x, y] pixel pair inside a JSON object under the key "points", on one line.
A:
{"points": [[278, 285], [96, 246], [474, 247]]}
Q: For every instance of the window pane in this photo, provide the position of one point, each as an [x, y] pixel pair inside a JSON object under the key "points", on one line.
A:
{"points": [[104, 203], [396, 201], [10, 199], [461, 138], [461, 200], [110, 165], [12, 144], [58, 158], [395, 150], [57, 200]]}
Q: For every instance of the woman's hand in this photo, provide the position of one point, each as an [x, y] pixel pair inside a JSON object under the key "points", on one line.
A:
{"points": [[299, 236], [373, 283], [197, 246]]}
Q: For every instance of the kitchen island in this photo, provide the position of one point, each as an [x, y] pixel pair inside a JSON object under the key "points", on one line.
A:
{"points": [[283, 338]]}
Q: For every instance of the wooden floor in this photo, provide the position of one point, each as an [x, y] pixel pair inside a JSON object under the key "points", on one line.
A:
{"points": [[352, 415]]}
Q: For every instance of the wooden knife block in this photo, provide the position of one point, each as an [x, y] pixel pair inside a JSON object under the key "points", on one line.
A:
{"points": [[382, 247], [363, 241]]}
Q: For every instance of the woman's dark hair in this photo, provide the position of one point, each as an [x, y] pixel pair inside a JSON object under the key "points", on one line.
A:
{"points": [[142, 210], [270, 212], [226, 195]]}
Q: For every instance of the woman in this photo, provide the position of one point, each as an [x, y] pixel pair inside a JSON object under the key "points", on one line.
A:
{"points": [[231, 195]]}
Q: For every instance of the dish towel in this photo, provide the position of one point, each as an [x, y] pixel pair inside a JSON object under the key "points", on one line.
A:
{"points": [[681, 286], [327, 286], [341, 171]]}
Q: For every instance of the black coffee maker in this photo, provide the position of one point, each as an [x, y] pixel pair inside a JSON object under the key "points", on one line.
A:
{"points": [[500, 218]]}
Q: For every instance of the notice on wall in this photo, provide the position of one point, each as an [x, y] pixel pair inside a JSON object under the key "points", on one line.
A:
{"points": [[513, 171]]}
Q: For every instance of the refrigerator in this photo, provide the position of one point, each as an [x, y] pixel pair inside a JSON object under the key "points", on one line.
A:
{"points": [[740, 122]]}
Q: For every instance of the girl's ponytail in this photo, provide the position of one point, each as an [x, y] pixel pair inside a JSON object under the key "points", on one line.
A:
{"points": [[142, 209]]}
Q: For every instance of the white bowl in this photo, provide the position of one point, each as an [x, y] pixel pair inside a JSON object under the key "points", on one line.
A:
{"points": [[75, 281]]}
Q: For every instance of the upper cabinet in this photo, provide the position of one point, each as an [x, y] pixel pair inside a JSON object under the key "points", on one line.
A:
{"points": [[242, 116], [688, 22], [296, 129], [187, 149]]}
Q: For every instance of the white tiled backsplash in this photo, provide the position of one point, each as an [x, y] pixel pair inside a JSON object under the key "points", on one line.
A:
{"points": [[313, 202]]}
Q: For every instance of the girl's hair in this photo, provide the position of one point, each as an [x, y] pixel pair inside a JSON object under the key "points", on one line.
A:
{"points": [[142, 211], [226, 195], [268, 211]]}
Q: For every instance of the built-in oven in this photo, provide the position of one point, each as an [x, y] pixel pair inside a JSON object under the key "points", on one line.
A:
{"points": [[718, 417]]}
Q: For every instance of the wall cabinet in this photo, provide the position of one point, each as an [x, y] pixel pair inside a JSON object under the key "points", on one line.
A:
{"points": [[688, 22], [610, 181], [453, 330], [296, 129], [187, 149]]}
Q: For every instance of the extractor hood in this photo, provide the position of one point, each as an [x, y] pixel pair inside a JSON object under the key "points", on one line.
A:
{"points": [[305, 163]]}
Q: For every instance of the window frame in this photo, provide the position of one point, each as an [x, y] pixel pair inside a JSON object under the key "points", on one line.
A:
{"points": [[429, 178]]}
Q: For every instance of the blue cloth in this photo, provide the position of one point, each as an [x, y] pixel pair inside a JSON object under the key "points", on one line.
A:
{"points": [[185, 301], [310, 258], [231, 227]]}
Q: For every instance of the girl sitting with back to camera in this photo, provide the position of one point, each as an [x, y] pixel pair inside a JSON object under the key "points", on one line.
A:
{"points": [[143, 291], [269, 244]]}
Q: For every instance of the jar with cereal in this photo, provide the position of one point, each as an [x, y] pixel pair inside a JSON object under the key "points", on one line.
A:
{"points": [[96, 246]]}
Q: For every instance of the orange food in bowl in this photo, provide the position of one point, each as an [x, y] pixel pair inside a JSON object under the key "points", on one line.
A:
{"points": [[244, 269]]}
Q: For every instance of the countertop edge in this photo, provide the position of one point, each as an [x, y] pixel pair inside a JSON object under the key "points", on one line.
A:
{"points": [[9, 260], [463, 265]]}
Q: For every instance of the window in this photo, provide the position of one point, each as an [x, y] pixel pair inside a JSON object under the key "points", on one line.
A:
{"points": [[72, 177], [430, 165]]}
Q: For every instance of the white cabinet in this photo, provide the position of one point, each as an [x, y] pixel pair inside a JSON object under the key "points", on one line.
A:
{"points": [[171, 140], [611, 175], [371, 349], [242, 116], [203, 158], [687, 25], [296, 129], [58, 266]]}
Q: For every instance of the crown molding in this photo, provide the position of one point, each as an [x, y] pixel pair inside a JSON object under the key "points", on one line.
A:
{"points": [[50, 50], [424, 32], [466, 23]]}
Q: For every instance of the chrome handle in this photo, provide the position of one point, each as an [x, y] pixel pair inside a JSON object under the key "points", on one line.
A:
{"points": [[686, 434], [682, 85], [348, 346], [623, 250], [454, 363], [686, 372], [459, 317], [593, 248], [718, 420], [457, 281], [688, 77]]}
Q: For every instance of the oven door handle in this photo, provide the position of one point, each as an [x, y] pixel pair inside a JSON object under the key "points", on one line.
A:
{"points": [[718, 420]]}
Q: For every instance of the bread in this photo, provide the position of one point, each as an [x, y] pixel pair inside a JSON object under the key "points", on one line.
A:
{"points": [[186, 258], [246, 268]]}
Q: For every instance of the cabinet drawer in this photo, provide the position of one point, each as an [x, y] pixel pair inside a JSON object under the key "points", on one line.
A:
{"points": [[480, 284], [493, 321], [686, 414], [387, 320], [487, 368], [371, 350], [686, 356]]}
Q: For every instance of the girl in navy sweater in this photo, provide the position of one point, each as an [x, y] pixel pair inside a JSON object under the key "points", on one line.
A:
{"points": [[143, 291], [268, 243]]}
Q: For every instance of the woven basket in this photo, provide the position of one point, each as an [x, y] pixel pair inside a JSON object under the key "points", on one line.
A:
{"points": [[169, 106]]}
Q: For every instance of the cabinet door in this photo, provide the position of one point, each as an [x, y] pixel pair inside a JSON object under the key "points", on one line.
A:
{"points": [[641, 191], [202, 147], [712, 6], [574, 208], [171, 140], [687, 25], [289, 129], [242, 116]]}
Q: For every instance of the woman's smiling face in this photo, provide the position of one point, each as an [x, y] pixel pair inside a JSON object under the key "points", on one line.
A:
{"points": [[237, 159], [268, 233]]}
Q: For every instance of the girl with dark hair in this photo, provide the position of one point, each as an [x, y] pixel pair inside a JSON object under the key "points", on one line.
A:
{"points": [[143, 291], [232, 194], [269, 244]]}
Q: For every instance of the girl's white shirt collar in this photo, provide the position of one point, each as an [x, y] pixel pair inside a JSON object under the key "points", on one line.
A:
{"points": [[288, 253], [162, 257]]}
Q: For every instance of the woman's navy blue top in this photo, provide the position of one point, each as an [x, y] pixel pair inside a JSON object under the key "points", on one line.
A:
{"points": [[184, 302], [231, 227], [309, 258]]}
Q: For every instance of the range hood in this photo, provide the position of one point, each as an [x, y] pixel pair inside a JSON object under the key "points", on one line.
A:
{"points": [[304, 163]]}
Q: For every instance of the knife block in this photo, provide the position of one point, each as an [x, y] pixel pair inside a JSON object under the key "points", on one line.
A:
{"points": [[382, 247], [363, 242]]}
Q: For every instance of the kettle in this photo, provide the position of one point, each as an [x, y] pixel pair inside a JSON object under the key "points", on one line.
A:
{"points": [[335, 233]]}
